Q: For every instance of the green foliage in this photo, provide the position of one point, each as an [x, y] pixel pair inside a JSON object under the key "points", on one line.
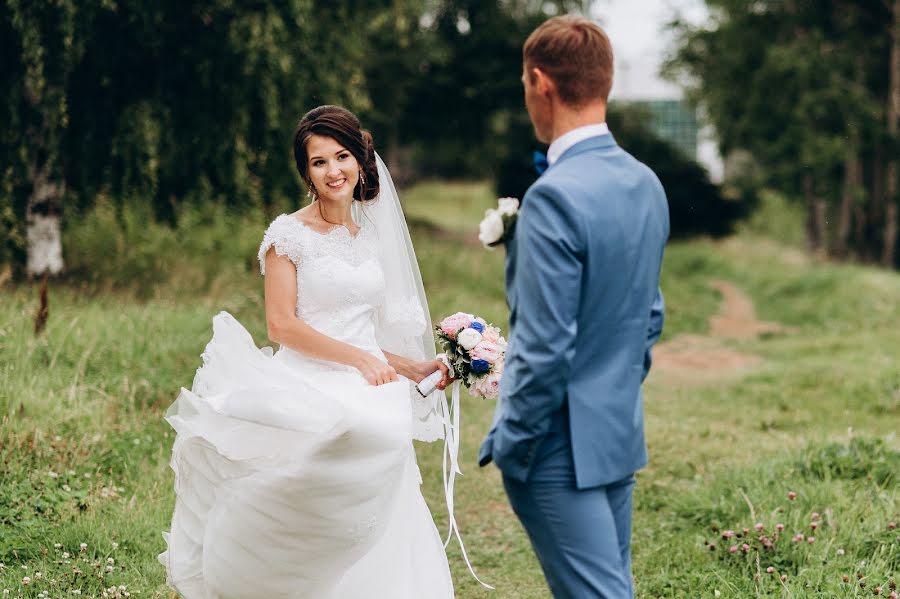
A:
{"points": [[164, 106], [125, 249], [159, 103], [803, 87], [861, 459]]}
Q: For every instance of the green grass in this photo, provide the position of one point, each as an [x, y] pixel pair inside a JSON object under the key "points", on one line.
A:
{"points": [[84, 450], [455, 205]]}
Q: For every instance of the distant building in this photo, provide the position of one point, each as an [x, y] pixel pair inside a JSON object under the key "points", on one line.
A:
{"points": [[673, 119]]}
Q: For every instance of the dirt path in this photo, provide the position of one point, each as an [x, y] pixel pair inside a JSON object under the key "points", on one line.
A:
{"points": [[705, 359]]}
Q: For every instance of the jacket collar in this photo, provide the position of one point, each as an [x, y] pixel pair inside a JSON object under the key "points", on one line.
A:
{"points": [[592, 143]]}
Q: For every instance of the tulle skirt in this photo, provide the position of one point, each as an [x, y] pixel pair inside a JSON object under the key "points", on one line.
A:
{"points": [[296, 484]]}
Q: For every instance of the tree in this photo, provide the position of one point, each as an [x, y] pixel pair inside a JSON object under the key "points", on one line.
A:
{"points": [[467, 90], [160, 102], [48, 47], [809, 106]]}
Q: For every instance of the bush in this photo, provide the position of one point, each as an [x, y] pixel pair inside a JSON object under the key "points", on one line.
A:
{"points": [[696, 205]]}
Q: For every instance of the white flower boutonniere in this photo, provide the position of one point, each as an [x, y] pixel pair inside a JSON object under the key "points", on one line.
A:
{"points": [[498, 223]]}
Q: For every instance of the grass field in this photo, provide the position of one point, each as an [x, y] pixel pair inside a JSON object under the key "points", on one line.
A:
{"points": [[84, 450]]}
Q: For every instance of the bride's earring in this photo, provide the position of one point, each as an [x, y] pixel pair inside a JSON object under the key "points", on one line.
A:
{"points": [[311, 192], [362, 178]]}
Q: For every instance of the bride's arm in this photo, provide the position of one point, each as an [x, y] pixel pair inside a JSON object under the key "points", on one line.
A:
{"points": [[285, 328]]}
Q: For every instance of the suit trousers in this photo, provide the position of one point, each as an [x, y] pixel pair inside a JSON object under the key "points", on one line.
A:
{"points": [[582, 537]]}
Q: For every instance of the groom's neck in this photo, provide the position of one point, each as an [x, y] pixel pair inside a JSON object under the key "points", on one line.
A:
{"points": [[566, 119]]}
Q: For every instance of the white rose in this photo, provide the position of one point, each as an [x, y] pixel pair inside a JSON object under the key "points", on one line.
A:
{"points": [[491, 228], [508, 206], [468, 338]]}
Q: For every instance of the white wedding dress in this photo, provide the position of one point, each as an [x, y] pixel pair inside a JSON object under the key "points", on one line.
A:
{"points": [[294, 477]]}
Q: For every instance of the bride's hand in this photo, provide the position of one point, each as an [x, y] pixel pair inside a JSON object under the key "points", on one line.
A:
{"points": [[375, 371], [423, 369]]}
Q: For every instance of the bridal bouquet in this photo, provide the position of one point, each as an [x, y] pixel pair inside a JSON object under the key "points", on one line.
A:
{"points": [[474, 351], [498, 223]]}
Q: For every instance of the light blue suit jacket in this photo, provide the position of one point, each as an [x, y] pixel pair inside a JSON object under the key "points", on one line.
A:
{"points": [[582, 283]]}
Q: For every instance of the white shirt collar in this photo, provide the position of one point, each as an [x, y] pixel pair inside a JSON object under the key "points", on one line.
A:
{"points": [[567, 140]]}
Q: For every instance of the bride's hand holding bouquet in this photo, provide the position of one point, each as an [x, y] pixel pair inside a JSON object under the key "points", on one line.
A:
{"points": [[474, 351]]}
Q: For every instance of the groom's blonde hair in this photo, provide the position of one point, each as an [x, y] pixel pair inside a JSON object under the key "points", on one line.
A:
{"points": [[576, 54]]}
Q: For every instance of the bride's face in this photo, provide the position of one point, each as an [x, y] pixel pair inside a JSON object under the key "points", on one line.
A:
{"points": [[332, 169]]}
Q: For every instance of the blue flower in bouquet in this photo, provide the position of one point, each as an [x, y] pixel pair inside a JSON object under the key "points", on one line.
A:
{"points": [[480, 366], [477, 326]]}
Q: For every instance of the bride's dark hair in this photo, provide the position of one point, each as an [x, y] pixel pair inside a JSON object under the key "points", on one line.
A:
{"points": [[342, 126]]}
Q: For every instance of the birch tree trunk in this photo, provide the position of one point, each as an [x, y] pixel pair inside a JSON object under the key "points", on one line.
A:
{"points": [[42, 222]]}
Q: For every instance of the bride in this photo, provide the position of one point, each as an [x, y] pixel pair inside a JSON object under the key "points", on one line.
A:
{"points": [[295, 473]]}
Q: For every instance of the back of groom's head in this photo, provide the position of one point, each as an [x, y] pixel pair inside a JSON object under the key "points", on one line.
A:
{"points": [[576, 54]]}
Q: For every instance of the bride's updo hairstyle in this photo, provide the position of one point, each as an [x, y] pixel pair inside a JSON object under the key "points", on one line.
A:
{"points": [[342, 126]]}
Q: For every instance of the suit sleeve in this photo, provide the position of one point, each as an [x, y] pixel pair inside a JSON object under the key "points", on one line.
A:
{"points": [[654, 330], [549, 242]]}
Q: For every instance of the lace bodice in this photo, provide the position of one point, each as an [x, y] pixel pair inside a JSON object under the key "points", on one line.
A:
{"points": [[340, 283]]}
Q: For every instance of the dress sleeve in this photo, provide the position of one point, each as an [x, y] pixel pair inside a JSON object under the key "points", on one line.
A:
{"points": [[282, 234]]}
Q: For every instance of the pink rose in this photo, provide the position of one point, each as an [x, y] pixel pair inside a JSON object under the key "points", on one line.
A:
{"points": [[491, 334], [488, 386], [452, 324], [485, 350]]}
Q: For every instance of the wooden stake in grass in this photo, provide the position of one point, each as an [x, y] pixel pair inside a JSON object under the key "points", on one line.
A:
{"points": [[43, 313]]}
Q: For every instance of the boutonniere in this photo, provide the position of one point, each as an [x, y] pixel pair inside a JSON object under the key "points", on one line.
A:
{"points": [[498, 223]]}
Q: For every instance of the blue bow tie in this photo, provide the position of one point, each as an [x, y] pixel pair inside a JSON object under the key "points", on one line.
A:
{"points": [[540, 162]]}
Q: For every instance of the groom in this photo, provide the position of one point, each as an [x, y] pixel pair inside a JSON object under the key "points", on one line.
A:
{"points": [[582, 281]]}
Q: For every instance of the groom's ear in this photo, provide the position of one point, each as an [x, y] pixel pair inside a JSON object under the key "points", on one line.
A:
{"points": [[542, 82]]}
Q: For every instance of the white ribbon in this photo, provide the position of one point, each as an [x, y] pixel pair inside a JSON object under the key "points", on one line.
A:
{"points": [[450, 418]]}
